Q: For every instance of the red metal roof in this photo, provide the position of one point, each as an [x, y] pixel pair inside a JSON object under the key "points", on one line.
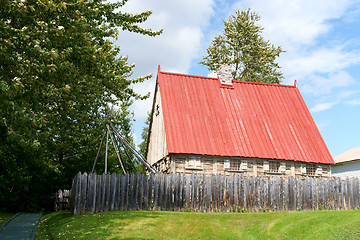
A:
{"points": [[245, 119]]}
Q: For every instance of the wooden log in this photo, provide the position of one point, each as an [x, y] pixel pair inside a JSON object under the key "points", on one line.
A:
{"points": [[92, 193], [291, 193], [317, 194], [216, 194], [261, 195], [133, 189], [162, 192], [222, 193], [122, 192], [84, 180], [213, 193], [127, 192], [236, 192], [193, 192], [253, 194], [103, 193], [231, 192], [178, 192], [356, 193], [107, 192], [208, 194], [112, 191], [188, 191], [202, 193], [166, 192], [312, 193], [98, 194], [117, 192], [175, 192], [77, 194], [350, 193], [196, 196], [151, 191], [246, 193], [156, 190], [140, 183], [171, 192], [286, 195], [145, 200], [283, 195]]}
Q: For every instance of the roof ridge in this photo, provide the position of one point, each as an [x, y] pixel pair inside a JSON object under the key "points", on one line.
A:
{"points": [[262, 83], [237, 81], [188, 75]]}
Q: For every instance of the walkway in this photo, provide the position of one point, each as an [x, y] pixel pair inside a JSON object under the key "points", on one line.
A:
{"points": [[21, 226]]}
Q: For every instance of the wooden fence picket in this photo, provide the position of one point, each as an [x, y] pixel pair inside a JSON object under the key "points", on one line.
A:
{"points": [[93, 193]]}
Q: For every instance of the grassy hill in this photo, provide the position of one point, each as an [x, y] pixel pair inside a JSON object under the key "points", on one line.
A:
{"points": [[189, 225]]}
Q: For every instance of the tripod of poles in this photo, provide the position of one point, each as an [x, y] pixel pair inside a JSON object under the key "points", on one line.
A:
{"points": [[118, 142]]}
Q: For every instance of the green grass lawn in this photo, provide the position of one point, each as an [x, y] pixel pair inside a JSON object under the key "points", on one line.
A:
{"points": [[4, 217], [185, 225]]}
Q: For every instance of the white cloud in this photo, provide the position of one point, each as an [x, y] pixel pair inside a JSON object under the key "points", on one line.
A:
{"points": [[298, 26], [353, 102], [320, 60], [182, 23], [319, 84], [296, 22], [322, 106]]}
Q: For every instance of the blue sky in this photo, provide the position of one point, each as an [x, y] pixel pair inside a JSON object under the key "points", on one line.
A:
{"points": [[321, 39]]}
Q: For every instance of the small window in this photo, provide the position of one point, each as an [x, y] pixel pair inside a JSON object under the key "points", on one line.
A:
{"points": [[235, 164], [310, 169], [274, 166], [157, 110], [288, 166], [193, 163]]}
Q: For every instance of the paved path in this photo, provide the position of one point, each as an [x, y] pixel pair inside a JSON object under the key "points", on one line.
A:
{"points": [[21, 226]]}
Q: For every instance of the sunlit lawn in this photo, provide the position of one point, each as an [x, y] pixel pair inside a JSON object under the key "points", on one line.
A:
{"points": [[186, 225]]}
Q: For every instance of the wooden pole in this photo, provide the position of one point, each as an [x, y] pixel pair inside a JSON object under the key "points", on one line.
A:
{"points": [[117, 150], [98, 153], [106, 150]]}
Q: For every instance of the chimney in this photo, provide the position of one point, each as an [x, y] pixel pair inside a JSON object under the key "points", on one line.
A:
{"points": [[224, 73]]}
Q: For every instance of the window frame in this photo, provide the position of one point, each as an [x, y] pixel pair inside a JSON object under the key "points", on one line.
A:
{"points": [[235, 165], [310, 169], [272, 167]]}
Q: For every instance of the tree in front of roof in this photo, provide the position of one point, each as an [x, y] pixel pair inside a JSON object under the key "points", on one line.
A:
{"points": [[59, 72], [144, 135], [241, 46]]}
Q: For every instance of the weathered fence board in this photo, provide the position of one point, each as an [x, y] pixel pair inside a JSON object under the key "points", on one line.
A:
{"points": [[93, 193]]}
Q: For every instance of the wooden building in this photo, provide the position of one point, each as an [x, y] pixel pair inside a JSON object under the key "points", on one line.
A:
{"points": [[221, 126], [347, 164]]}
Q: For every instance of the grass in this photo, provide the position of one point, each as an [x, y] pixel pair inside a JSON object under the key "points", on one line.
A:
{"points": [[4, 217], [186, 225]]}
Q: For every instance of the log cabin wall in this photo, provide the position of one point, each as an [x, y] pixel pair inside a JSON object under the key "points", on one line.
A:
{"points": [[215, 165]]}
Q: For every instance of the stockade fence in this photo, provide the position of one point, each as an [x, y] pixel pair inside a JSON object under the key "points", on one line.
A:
{"points": [[92, 193]]}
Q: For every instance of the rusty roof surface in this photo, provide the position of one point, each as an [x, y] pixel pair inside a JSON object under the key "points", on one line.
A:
{"points": [[245, 119]]}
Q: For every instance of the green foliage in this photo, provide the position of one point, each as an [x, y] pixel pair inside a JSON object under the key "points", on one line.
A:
{"points": [[59, 73], [144, 135], [251, 57], [190, 225], [4, 217]]}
